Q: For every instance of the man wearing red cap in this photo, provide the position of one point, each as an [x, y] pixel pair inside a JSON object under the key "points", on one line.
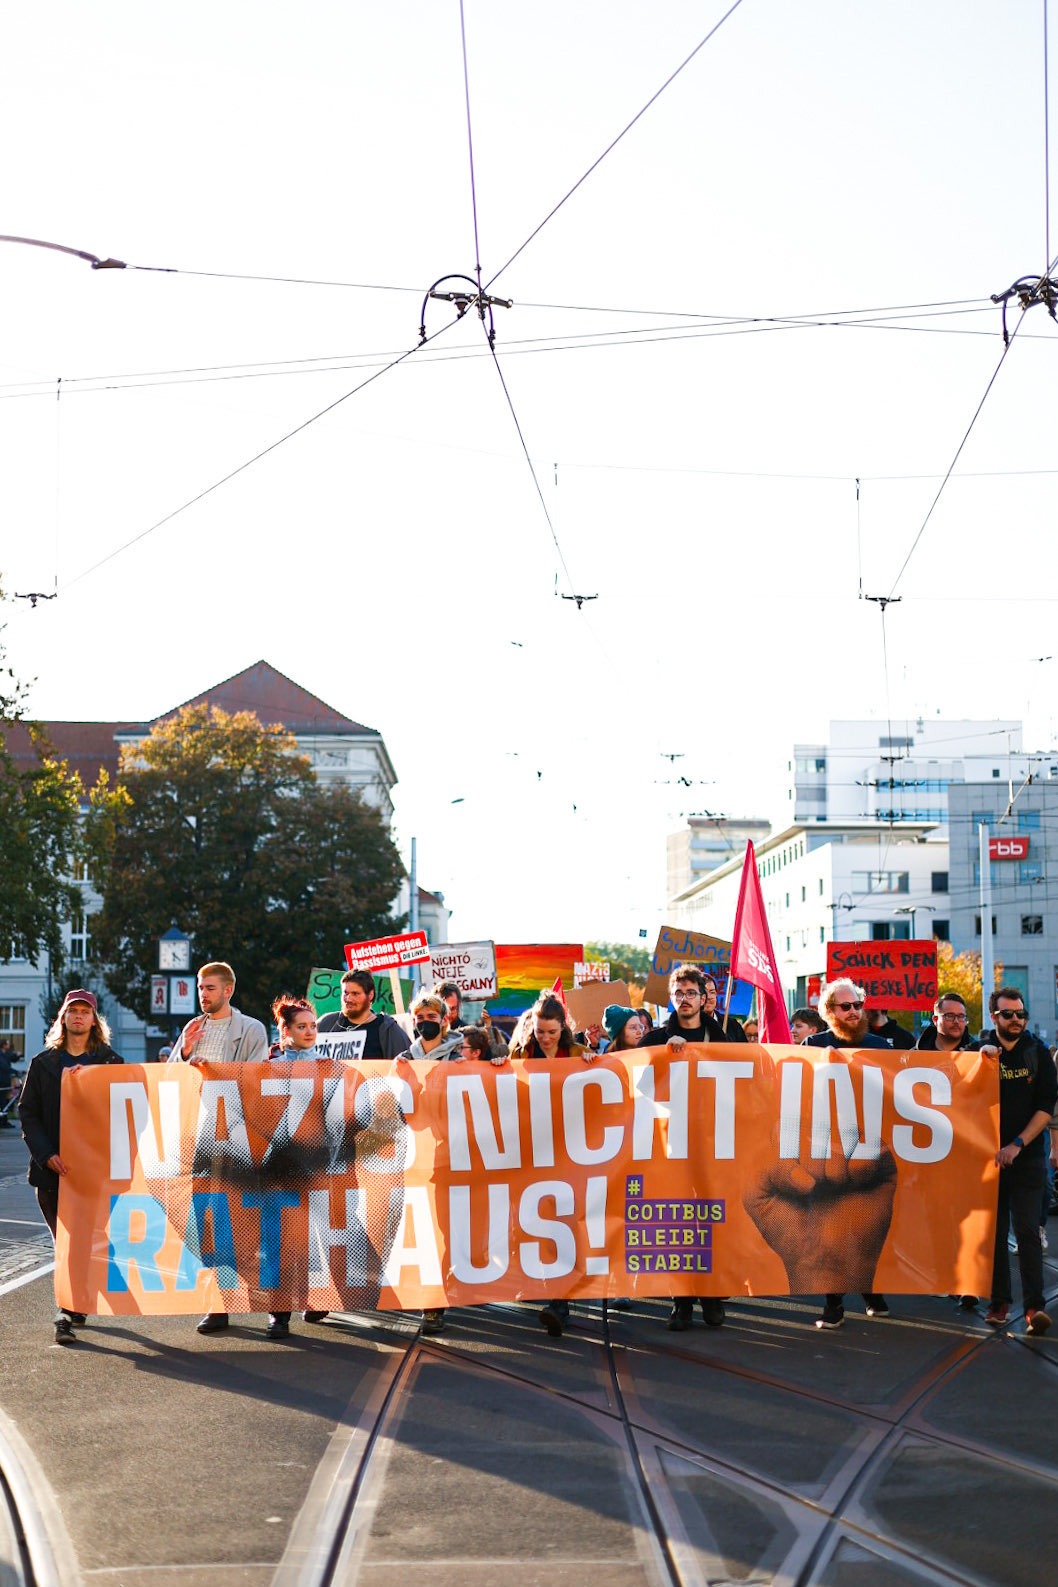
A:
{"points": [[80, 1035]]}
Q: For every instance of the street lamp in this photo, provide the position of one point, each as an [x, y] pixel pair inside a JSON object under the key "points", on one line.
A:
{"points": [[912, 910], [834, 907]]}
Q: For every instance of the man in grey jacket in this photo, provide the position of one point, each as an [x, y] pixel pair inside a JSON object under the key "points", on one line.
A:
{"points": [[221, 1035]]}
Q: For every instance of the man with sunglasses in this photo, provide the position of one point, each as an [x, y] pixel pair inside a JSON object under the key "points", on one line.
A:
{"points": [[1028, 1090], [842, 1005]]}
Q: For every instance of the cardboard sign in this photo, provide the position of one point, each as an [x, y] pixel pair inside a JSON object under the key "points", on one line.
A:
{"points": [[586, 1003], [676, 945], [894, 974], [471, 965], [388, 953], [249, 1187], [324, 992], [1008, 848]]}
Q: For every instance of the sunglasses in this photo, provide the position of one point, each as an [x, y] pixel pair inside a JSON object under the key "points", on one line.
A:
{"points": [[1012, 1013], [844, 1007]]}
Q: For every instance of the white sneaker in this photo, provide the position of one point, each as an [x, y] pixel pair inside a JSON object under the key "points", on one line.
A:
{"points": [[1043, 1238]]}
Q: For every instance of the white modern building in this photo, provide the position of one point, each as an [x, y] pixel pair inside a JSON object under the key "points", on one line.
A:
{"points": [[884, 842], [706, 842], [899, 771], [833, 881]]}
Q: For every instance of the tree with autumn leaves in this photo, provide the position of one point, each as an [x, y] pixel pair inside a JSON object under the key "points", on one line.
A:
{"points": [[226, 830], [41, 834]]}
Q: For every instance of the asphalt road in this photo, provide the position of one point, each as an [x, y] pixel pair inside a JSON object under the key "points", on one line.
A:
{"points": [[918, 1449]]}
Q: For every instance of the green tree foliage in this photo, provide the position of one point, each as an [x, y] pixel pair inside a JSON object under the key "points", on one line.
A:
{"points": [[228, 832], [626, 962], [40, 833]]}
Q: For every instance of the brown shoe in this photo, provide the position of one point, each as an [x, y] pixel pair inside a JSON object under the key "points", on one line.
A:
{"points": [[1038, 1321]]}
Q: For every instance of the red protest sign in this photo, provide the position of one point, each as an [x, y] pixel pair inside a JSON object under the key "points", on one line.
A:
{"points": [[387, 953], [893, 973]]}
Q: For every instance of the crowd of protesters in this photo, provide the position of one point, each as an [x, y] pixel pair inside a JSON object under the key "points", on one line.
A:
{"points": [[1028, 1092]]}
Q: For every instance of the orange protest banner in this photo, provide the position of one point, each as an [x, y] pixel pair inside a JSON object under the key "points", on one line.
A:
{"points": [[755, 1171]]}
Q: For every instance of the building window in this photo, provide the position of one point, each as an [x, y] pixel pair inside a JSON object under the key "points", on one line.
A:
{"points": [[1028, 821], [995, 771], [804, 895], [79, 936], [79, 871], [822, 934], [890, 930], [881, 881], [977, 925], [942, 930], [938, 882], [820, 887], [1032, 925], [1030, 871], [13, 1026]]}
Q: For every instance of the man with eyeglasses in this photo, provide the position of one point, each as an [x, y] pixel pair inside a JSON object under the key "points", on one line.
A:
{"points": [[842, 1005], [949, 1030], [689, 994], [1028, 1091]]}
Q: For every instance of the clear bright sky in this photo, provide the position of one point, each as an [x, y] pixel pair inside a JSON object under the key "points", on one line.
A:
{"points": [[823, 161]]}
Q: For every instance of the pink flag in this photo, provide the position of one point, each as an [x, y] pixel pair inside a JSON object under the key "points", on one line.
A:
{"points": [[753, 957]]}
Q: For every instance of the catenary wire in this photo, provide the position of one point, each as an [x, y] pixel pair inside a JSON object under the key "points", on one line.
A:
{"points": [[470, 146], [532, 470], [955, 459], [264, 452], [586, 341], [611, 146]]}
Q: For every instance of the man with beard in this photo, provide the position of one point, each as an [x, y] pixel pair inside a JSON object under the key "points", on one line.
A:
{"points": [[690, 990], [1028, 1090], [221, 1035], [841, 1004], [949, 1030], [370, 1035]]}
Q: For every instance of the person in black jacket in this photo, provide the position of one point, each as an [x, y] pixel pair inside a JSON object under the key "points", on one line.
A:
{"points": [[950, 1027], [841, 1004], [880, 1024], [79, 1036], [1028, 1090], [689, 990]]}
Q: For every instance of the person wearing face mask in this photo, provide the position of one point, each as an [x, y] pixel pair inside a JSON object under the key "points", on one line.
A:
{"points": [[433, 1038]]}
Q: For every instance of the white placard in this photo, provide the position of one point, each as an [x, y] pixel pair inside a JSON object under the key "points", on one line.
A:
{"points": [[471, 965]]}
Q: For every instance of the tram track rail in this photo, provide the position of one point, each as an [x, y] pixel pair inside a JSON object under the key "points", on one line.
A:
{"points": [[34, 1549], [330, 1539]]}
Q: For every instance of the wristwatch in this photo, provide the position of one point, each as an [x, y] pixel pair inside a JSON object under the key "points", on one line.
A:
{"points": [[1018, 1142]]}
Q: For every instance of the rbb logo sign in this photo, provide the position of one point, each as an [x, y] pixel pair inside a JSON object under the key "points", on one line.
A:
{"points": [[759, 961], [1008, 848]]}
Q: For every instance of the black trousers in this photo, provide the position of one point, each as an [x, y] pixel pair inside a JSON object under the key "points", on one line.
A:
{"points": [[1020, 1189]]}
